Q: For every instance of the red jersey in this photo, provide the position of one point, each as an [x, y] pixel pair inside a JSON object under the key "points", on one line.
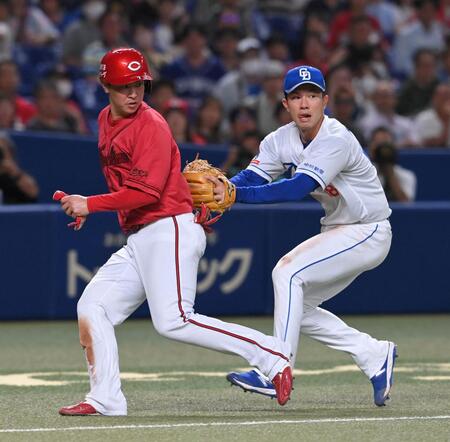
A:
{"points": [[24, 109], [139, 152]]}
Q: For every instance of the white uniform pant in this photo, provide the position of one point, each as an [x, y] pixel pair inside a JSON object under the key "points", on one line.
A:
{"points": [[315, 271], [159, 263]]}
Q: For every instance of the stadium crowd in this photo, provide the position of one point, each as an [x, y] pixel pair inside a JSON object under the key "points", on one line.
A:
{"points": [[218, 66]]}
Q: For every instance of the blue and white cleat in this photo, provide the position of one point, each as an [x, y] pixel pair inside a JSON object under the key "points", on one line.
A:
{"points": [[383, 379], [253, 381]]}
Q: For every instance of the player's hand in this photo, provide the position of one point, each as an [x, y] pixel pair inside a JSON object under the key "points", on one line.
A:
{"points": [[219, 188], [78, 223], [75, 205]]}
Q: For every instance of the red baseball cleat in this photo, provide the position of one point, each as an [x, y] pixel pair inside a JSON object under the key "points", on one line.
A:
{"points": [[283, 385], [81, 409]]}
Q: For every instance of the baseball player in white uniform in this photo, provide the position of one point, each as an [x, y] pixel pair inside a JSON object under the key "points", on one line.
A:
{"points": [[327, 162]]}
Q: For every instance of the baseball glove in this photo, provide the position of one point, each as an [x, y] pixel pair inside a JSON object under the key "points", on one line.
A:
{"points": [[202, 190]]}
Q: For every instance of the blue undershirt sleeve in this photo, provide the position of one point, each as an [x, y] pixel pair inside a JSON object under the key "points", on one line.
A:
{"points": [[292, 189], [248, 178]]}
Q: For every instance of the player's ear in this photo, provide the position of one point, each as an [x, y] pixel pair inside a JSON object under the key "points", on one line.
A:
{"points": [[285, 104], [325, 101]]}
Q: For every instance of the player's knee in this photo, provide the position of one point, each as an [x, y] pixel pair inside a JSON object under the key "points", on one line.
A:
{"points": [[281, 272], [90, 311], [168, 329], [84, 309], [284, 275]]}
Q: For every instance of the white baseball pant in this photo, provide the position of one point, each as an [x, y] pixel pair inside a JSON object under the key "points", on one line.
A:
{"points": [[315, 271], [159, 263]]}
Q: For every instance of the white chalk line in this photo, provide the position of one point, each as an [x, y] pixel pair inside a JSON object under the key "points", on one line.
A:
{"points": [[226, 424]]}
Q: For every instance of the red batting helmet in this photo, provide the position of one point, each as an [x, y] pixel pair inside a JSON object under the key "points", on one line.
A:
{"points": [[123, 66]]}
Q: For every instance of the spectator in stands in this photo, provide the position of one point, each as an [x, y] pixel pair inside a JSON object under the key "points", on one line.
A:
{"points": [[16, 186], [277, 49], [176, 111], [55, 12], [345, 109], [318, 15], [340, 24], [339, 76], [61, 79], [242, 119], [365, 47], [142, 12], [82, 32], [208, 123], [112, 35], [314, 52], [270, 96], [363, 54], [236, 85], [406, 13], [52, 114], [225, 46], [323, 11], [240, 155], [433, 125], [8, 117], [415, 94], [223, 14], [6, 31], [32, 26], [382, 113], [398, 183], [282, 115], [9, 86], [144, 41], [387, 16], [162, 91], [281, 16], [424, 32], [197, 71], [170, 17]]}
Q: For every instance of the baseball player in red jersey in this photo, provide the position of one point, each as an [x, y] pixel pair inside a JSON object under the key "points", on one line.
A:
{"points": [[141, 164]]}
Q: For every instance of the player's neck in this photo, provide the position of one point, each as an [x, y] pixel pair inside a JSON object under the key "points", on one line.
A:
{"points": [[115, 114]]}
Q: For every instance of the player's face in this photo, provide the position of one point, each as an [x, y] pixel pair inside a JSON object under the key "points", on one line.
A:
{"points": [[306, 106], [125, 100]]}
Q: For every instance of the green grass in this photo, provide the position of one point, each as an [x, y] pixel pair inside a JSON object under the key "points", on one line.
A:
{"points": [[52, 347]]}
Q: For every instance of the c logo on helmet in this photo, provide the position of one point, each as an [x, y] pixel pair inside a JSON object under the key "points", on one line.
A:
{"points": [[134, 66], [305, 74]]}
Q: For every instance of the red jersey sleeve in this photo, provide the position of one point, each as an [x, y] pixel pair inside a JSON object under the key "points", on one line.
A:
{"points": [[124, 199], [151, 157]]}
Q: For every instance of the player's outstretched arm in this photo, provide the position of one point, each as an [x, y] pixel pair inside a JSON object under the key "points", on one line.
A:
{"points": [[292, 189], [248, 178]]}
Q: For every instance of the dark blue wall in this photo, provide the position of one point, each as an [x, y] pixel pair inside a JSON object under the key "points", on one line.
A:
{"points": [[45, 266], [71, 163]]}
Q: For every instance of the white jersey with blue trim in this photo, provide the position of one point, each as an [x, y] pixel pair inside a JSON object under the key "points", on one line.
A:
{"points": [[350, 191]]}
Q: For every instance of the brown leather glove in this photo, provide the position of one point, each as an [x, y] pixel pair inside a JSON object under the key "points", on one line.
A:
{"points": [[202, 190]]}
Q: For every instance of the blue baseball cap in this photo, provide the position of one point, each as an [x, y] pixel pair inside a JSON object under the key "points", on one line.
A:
{"points": [[303, 75]]}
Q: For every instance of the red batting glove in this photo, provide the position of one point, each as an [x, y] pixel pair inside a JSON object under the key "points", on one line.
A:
{"points": [[203, 217], [58, 196]]}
